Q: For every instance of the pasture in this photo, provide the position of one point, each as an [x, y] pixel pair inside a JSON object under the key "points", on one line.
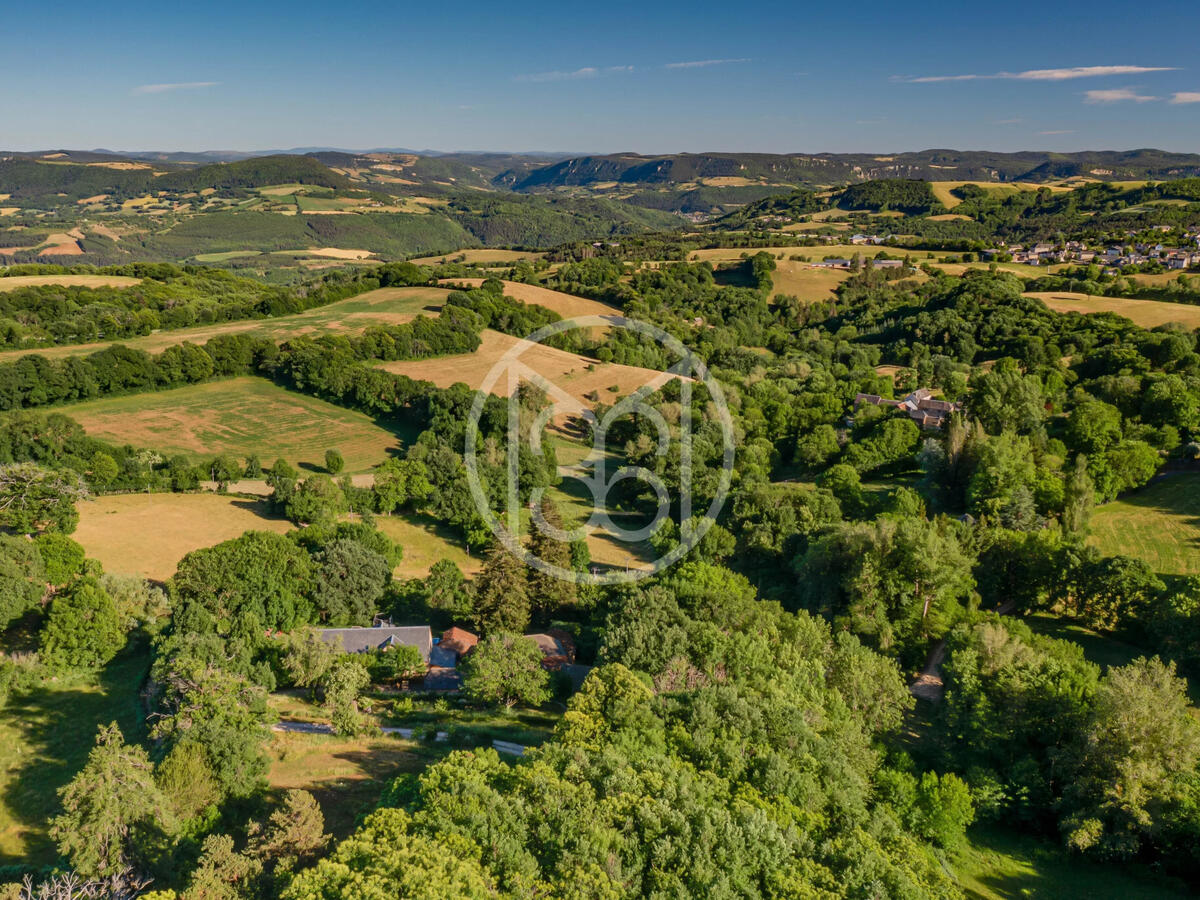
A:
{"points": [[799, 279], [566, 305], [577, 375], [425, 542], [1146, 313], [238, 416], [148, 534], [480, 257], [14, 282], [1159, 524], [385, 306]]}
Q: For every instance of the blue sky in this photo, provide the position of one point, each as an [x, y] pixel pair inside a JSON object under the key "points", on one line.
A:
{"points": [[601, 77]]}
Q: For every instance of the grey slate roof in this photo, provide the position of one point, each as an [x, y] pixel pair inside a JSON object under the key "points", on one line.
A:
{"points": [[362, 640]]}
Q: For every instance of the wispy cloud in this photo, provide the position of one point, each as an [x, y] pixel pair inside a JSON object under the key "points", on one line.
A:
{"points": [[702, 63], [575, 74], [1060, 131], [1186, 97], [176, 86], [1116, 95], [1065, 74]]}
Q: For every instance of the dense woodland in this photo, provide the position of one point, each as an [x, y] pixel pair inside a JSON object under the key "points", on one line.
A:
{"points": [[747, 728]]}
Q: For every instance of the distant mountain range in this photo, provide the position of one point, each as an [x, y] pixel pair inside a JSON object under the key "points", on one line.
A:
{"points": [[744, 176], [832, 168]]}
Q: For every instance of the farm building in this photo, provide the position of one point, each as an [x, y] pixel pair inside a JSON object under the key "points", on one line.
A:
{"points": [[920, 406], [380, 637], [557, 648], [458, 641]]}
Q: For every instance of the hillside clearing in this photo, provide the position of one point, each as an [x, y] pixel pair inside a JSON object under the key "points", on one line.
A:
{"points": [[148, 534], [942, 189], [799, 279], [1159, 524], [566, 305], [1146, 313], [14, 282], [576, 375], [238, 416], [479, 257]]}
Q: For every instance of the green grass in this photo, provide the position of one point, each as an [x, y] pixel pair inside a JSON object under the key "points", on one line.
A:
{"points": [[240, 416], [1159, 524], [425, 541], [223, 257], [1100, 649], [998, 864], [45, 736]]}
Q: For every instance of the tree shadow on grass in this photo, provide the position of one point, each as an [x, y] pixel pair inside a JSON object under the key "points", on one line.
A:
{"points": [[260, 508], [1175, 494], [1025, 865], [57, 722]]}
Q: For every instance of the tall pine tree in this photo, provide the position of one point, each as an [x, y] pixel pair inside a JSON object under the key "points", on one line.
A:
{"points": [[501, 593], [548, 594]]}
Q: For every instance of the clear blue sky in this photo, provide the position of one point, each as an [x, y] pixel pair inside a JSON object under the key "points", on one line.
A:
{"points": [[650, 77]]}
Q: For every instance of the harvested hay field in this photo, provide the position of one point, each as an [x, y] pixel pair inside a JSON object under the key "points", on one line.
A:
{"points": [[566, 305], [339, 253], [61, 245], [1159, 524], [579, 376], [147, 534], [799, 279], [91, 281], [1146, 313], [479, 256], [238, 416], [385, 306]]}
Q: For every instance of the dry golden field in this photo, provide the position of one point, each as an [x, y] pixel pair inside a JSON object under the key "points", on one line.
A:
{"points": [[566, 305], [148, 534], [1146, 313], [480, 257], [91, 281], [577, 375]]}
